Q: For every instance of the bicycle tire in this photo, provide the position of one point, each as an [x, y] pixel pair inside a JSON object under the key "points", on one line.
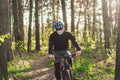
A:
{"points": [[63, 75], [66, 74]]}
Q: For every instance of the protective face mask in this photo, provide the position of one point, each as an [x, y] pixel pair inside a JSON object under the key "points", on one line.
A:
{"points": [[60, 32]]}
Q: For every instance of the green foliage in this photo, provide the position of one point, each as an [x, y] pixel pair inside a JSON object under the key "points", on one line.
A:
{"points": [[50, 62], [87, 50], [20, 46], [84, 69], [89, 42], [18, 70], [91, 66], [42, 52], [82, 66], [45, 37], [3, 37], [28, 57]]}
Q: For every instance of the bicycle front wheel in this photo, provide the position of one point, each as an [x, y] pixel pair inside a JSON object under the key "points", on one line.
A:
{"points": [[68, 75]]}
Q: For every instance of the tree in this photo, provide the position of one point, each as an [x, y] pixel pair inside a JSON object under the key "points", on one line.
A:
{"points": [[29, 29], [72, 16], [9, 40], [58, 9], [15, 24], [117, 68], [94, 19], [18, 24], [64, 13], [85, 22], [53, 11], [37, 34], [106, 24], [4, 26]]}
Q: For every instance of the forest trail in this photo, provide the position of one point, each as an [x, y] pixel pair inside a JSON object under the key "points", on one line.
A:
{"points": [[41, 69]]}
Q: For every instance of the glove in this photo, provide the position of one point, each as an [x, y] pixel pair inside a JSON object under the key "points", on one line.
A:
{"points": [[51, 56], [78, 53]]}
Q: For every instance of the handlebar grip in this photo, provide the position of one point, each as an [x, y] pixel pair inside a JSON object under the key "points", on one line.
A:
{"points": [[73, 55]]}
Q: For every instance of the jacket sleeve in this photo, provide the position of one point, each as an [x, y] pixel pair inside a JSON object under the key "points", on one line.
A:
{"points": [[50, 45], [75, 43]]}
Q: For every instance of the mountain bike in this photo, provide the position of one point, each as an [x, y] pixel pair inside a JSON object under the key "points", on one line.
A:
{"points": [[66, 63]]}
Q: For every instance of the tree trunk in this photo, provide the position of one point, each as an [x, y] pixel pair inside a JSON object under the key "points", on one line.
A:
{"points": [[4, 28], [53, 11], [18, 25], [117, 68], [20, 8], [79, 19], [100, 33], [106, 25], [94, 19], [15, 24], [29, 29], [37, 34], [9, 40], [64, 13], [85, 23], [58, 5], [72, 16]]}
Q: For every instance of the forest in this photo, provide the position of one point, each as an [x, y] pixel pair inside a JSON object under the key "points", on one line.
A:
{"points": [[25, 28]]}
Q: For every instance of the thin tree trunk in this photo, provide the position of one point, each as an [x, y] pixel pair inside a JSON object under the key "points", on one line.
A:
{"points": [[100, 33], [94, 19], [117, 68], [9, 40], [72, 16], [29, 29], [37, 33], [20, 8], [58, 9], [85, 23], [64, 13], [42, 28], [15, 24], [53, 11], [106, 25]]}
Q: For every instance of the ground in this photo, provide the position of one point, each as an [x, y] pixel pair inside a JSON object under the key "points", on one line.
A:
{"points": [[41, 70]]}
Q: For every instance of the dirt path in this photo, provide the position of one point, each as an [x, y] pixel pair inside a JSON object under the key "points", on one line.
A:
{"points": [[41, 69]]}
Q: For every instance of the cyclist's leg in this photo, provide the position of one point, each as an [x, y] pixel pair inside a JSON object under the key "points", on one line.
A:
{"points": [[67, 53], [57, 71], [57, 65], [68, 71]]}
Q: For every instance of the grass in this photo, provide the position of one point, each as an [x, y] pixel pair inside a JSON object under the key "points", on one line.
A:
{"points": [[94, 65], [18, 68]]}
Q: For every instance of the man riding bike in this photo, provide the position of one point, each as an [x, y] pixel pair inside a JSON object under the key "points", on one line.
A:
{"points": [[58, 46]]}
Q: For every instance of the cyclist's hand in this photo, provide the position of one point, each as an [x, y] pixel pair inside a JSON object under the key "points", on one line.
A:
{"points": [[51, 56], [78, 53]]}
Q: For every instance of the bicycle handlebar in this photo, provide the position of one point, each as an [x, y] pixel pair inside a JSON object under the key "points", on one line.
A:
{"points": [[72, 55]]}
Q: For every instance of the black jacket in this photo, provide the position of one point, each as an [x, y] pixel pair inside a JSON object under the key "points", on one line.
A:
{"points": [[61, 42]]}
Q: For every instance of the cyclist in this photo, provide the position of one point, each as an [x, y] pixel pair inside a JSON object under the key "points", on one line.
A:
{"points": [[58, 46]]}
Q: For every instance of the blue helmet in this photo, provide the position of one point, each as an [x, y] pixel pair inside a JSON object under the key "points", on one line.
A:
{"points": [[59, 24]]}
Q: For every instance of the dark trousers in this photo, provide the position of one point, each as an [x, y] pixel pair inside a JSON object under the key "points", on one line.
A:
{"points": [[57, 71]]}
